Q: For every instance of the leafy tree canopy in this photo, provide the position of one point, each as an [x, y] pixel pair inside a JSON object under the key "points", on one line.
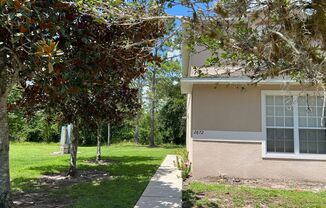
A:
{"points": [[265, 38], [67, 59]]}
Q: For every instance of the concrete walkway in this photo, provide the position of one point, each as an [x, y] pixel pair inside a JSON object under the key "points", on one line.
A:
{"points": [[164, 189]]}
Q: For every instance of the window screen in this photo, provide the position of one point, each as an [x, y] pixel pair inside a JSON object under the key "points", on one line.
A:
{"points": [[312, 136], [280, 124]]}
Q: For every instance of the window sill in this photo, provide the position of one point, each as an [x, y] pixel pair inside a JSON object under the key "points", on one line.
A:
{"points": [[295, 156]]}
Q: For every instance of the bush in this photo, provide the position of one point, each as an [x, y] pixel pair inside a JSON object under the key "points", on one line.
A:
{"points": [[172, 125], [122, 132], [183, 164], [38, 128]]}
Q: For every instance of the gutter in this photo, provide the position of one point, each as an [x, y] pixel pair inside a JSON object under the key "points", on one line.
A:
{"points": [[188, 82]]}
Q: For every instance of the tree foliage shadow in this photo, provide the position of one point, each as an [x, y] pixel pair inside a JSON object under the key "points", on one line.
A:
{"points": [[126, 166], [171, 146], [118, 192], [189, 199]]}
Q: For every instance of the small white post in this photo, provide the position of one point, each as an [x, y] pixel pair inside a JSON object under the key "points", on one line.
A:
{"points": [[64, 141]]}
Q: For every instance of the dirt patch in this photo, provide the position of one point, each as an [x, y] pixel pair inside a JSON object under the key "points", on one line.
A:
{"points": [[265, 183], [231, 195], [40, 197]]}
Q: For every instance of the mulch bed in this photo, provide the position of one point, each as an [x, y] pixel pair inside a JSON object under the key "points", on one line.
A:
{"points": [[41, 198]]}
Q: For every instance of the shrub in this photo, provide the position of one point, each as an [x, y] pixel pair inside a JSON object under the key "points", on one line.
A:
{"points": [[171, 124], [183, 164]]}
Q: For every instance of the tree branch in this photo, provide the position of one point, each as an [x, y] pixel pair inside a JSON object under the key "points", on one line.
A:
{"points": [[289, 42]]}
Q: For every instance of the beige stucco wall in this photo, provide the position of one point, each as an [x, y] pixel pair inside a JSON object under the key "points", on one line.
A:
{"points": [[230, 108], [244, 160], [222, 108]]}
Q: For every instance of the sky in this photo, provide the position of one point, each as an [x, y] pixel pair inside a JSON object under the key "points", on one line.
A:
{"points": [[184, 11], [178, 11]]}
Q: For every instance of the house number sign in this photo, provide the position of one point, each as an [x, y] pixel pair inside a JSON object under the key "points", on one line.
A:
{"points": [[198, 132]]}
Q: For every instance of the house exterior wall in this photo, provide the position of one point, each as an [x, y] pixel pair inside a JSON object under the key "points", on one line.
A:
{"points": [[244, 160], [220, 108], [232, 114]]}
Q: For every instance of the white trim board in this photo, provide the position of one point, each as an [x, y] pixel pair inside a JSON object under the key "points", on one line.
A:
{"points": [[188, 82], [291, 156], [228, 141], [227, 135]]}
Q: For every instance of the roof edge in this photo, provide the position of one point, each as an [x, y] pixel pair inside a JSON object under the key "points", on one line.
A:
{"points": [[188, 82]]}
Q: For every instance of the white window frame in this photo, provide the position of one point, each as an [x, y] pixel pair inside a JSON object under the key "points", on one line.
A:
{"points": [[296, 155]]}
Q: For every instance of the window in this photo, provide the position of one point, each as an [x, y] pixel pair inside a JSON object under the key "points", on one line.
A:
{"points": [[279, 124], [293, 124], [311, 130]]}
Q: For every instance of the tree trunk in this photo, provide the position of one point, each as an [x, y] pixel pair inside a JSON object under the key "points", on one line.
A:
{"points": [[5, 201], [136, 136], [73, 151], [140, 101], [98, 149], [109, 136], [152, 111]]}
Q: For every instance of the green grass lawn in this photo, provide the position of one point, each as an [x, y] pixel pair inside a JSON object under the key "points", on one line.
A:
{"points": [[136, 165], [221, 195]]}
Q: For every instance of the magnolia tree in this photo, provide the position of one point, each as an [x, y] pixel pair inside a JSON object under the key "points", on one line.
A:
{"points": [[58, 53], [23, 32], [90, 83]]}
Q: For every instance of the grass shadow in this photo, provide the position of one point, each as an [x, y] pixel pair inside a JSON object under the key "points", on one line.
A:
{"points": [[190, 200], [129, 177], [118, 192], [125, 179]]}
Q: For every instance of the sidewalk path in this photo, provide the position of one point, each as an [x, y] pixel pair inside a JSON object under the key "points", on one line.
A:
{"points": [[165, 187]]}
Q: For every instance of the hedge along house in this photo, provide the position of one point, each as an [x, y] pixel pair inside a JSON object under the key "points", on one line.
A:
{"points": [[270, 130]]}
